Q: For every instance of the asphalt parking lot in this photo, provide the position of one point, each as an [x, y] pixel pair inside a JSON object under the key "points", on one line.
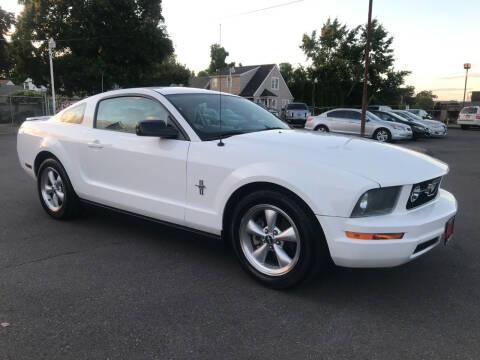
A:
{"points": [[107, 286]]}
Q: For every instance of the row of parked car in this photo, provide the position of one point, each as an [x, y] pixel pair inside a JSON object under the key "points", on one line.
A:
{"points": [[382, 123]]}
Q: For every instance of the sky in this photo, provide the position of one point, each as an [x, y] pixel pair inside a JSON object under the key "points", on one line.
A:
{"points": [[432, 38]]}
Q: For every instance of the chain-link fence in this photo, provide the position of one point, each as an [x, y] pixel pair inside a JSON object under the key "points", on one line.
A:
{"points": [[15, 109]]}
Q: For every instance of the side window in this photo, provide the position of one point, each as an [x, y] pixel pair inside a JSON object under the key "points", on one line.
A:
{"points": [[275, 83], [354, 115], [74, 115], [336, 114], [123, 113]]}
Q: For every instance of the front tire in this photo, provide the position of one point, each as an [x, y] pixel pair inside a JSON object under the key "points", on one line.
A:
{"points": [[55, 191], [382, 135], [276, 240]]}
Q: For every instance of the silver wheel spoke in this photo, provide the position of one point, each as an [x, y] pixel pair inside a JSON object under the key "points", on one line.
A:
{"points": [[51, 177], [261, 253], [55, 200], [287, 235], [282, 256], [271, 217], [48, 189], [60, 195], [254, 229]]}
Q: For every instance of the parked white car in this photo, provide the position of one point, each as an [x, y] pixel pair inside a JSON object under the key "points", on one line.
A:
{"points": [[348, 121], [436, 128], [286, 199], [469, 117]]}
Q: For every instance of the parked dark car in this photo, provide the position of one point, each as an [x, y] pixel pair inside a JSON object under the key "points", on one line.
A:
{"points": [[419, 130], [296, 114]]}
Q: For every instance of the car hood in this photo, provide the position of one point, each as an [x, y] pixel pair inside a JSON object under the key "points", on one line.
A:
{"points": [[433, 123], [385, 164]]}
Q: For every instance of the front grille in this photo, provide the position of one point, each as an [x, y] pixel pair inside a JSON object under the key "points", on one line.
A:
{"points": [[425, 245], [423, 192]]}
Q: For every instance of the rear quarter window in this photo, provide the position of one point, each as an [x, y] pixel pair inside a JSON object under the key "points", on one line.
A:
{"points": [[74, 115]]}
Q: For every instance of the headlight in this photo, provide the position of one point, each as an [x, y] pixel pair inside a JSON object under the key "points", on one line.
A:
{"points": [[376, 202], [419, 128]]}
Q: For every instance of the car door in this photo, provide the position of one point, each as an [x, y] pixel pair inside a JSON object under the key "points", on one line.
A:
{"points": [[143, 175], [337, 121], [354, 121]]}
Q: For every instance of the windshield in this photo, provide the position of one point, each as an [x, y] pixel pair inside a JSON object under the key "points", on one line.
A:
{"points": [[239, 116], [404, 115], [297, 106], [411, 116], [371, 116]]}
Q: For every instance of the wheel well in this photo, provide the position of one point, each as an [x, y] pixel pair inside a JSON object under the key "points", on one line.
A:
{"points": [[246, 189], [41, 157], [321, 125], [382, 128]]}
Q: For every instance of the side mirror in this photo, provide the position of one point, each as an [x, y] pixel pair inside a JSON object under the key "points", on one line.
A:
{"points": [[156, 128]]}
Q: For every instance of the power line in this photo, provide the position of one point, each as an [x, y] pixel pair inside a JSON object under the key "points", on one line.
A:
{"points": [[263, 9]]}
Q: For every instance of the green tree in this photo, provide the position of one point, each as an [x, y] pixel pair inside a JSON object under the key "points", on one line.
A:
{"points": [[337, 61], [170, 71], [425, 100], [123, 39], [286, 69], [7, 19], [218, 54]]}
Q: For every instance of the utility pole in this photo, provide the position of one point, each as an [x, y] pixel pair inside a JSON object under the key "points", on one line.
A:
{"points": [[365, 75], [467, 67], [51, 46]]}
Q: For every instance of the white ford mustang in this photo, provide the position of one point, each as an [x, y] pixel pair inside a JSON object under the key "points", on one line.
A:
{"points": [[288, 200]]}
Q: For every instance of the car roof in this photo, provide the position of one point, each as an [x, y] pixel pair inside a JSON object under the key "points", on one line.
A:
{"points": [[184, 90]]}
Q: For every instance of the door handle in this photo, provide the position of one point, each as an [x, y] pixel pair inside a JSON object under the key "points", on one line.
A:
{"points": [[95, 145]]}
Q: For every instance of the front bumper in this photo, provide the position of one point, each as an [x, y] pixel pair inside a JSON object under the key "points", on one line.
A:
{"points": [[437, 132], [296, 122], [424, 225], [402, 135]]}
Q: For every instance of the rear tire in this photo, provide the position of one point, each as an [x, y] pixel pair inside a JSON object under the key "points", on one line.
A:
{"points": [[56, 192], [464, 127], [276, 240], [321, 128], [382, 135]]}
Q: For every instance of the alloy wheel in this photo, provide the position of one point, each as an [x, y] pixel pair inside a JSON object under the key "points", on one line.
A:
{"points": [[52, 189], [269, 240], [382, 135]]}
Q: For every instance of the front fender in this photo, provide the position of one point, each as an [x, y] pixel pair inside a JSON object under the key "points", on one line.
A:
{"points": [[326, 190]]}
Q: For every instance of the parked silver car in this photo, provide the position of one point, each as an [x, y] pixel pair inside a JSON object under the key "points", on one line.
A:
{"points": [[348, 121], [296, 114], [437, 128]]}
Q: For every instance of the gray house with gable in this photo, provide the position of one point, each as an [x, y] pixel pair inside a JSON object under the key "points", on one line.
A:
{"points": [[258, 83]]}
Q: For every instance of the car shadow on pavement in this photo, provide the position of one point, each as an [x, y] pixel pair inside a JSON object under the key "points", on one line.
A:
{"points": [[406, 283]]}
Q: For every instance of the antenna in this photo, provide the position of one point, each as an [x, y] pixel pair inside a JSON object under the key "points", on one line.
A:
{"points": [[220, 143]]}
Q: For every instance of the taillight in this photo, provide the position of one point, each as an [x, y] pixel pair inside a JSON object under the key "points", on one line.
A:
{"points": [[309, 118], [478, 117]]}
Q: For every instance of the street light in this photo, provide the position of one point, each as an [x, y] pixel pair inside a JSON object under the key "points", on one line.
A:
{"points": [[51, 46], [315, 81], [467, 67]]}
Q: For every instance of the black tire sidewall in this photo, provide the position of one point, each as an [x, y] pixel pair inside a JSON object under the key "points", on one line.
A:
{"points": [[305, 225], [70, 203]]}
